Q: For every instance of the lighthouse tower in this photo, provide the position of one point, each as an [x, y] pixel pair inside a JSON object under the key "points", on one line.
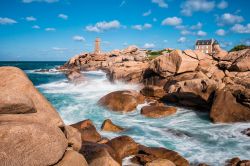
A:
{"points": [[97, 46]]}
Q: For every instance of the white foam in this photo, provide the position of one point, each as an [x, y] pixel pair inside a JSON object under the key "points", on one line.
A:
{"points": [[187, 132]]}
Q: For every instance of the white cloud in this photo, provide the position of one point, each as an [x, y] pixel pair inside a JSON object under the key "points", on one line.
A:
{"points": [[6, 21], [149, 45], [141, 27], [36, 27], [222, 5], [190, 6], [50, 29], [238, 28], [154, 19], [30, 18], [197, 26], [201, 33], [78, 38], [227, 19], [160, 3], [58, 49], [63, 16], [221, 32], [47, 1], [173, 21], [102, 26], [165, 41], [225, 44], [147, 13], [182, 40], [185, 32]]}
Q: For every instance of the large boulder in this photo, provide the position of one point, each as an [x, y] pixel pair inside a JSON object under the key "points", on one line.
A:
{"points": [[236, 61], [108, 125], [124, 146], [28, 143], [153, 91], [75, 76], [87, 130], [74, 137], [194, 93], [157, 111], [175, 62], [100, 154], [121, 101], [20, 101], [128, 71], [149, 154], [226, 109], [160, 162], [73, 158]]}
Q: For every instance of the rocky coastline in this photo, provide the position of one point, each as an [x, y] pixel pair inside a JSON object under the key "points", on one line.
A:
{"points": [[216, 83]]}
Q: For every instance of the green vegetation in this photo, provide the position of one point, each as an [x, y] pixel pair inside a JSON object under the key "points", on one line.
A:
{"points": [[153, 54], [239, 47]]}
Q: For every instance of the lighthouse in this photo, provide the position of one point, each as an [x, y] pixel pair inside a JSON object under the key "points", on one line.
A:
{"points": [[97, 46]]}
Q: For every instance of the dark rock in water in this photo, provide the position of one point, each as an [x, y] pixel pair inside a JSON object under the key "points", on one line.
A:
{"points": [[237, 162], [121, 101], [108, 125], [157, 111], [149, 154], [99, 154], [42, 70], [178, 133], [225, 108], [124, 146], [75, 76], [87, 130], [246, 132]]}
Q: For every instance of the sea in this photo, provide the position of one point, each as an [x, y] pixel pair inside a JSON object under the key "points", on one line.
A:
{"points": [[187, 132]]}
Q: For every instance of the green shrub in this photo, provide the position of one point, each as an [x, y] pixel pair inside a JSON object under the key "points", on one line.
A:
{"points": [[239, 47]]}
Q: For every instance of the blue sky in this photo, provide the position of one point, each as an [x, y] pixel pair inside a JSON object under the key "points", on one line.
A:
{"points": [[49, 30]]}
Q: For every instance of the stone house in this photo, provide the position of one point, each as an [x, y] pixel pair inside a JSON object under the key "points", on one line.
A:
{"points": [[207, 46]]}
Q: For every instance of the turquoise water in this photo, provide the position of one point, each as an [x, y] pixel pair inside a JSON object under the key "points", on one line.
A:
{"points": [[188, 132]]}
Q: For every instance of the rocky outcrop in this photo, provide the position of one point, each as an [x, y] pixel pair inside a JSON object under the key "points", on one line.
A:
{"points": [[20, 101], [99, 154], [236, 61], [160, 162], [124, 146], [108, 125], [226, 109], [195, 92], [157, 111], [87, 130], [153, 91], [32, 132], [73, 158], [121, 101], [130, 71], [174, 63], [75, 76], [148, 154], [23, 143], [237, 161]]}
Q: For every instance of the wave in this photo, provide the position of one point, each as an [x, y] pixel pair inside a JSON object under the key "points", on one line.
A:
{"points": [[187, 132]]}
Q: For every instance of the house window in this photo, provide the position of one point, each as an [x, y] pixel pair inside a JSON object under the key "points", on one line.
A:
{"points": [[206, 51], [207, 47]]}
